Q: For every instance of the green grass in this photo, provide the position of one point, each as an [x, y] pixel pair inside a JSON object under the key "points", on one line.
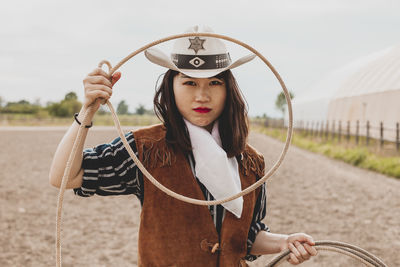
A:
{"points": [[356, 155], [47, 120], [43, 119], [125, 120]]}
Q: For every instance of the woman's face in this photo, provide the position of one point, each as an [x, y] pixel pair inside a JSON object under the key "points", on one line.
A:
{"points": [[199, 100]]}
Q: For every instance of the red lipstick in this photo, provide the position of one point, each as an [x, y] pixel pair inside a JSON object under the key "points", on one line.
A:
{"points": [[202, 110]]}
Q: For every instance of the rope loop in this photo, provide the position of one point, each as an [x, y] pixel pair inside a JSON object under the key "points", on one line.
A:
{"points": [[141, 166], [108, 65]]}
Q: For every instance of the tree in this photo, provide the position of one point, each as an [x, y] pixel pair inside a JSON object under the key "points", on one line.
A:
{"points": [[122, 108], [71, 96], [66, 107], [22, 102], [21, 106], [140, 110], [280, 102]]}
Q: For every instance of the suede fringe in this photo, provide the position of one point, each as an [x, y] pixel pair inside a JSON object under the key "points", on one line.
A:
{"points": [[157, 155], [253, 161]]}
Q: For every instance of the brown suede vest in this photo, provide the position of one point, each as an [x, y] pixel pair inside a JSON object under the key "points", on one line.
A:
{"points": [[176, 233]]}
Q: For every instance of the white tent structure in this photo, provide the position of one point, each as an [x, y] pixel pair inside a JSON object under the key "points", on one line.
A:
{"points": [[365, 90]]}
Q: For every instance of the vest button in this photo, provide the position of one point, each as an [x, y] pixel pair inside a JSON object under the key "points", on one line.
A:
{"points": [[215, 248]]}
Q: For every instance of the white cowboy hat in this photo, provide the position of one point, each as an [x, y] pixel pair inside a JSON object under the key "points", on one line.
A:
{"points": [[197, 57]]}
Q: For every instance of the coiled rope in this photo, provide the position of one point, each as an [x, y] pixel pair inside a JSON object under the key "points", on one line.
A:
{"points": [[169, 192], [352, 251]]}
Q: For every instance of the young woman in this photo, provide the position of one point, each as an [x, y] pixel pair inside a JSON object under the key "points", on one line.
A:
{"points": [[200, 151]]}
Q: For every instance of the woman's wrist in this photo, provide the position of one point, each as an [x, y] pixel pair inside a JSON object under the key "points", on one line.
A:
{"points": [[283, 242], [81, 116], [269, 243], [77, 121]]}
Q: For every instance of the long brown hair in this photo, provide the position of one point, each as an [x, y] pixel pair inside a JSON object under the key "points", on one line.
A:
{"points": [[233, 121]]}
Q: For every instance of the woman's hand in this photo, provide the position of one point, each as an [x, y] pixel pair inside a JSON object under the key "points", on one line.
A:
{"points": [[301, 247], [98, 86]]}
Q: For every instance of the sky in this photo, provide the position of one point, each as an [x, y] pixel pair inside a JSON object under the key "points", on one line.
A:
{"points": [[47, 47]]}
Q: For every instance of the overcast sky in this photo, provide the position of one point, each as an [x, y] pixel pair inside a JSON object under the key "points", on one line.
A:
{"points": [[47, 47]]}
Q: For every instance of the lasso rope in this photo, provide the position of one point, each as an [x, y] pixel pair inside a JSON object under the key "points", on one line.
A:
{"points": [[352, 251], [169, 192]]}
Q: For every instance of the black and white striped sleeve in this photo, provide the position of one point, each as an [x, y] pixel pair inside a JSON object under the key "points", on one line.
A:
{"points": [[257, 225], [109, 170]]}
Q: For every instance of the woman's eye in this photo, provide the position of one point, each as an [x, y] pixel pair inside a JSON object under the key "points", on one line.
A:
{"points": [[216, 82], [191, 83]]}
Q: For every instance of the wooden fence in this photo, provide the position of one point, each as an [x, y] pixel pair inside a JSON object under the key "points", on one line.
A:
{"points": [[362, 134]]}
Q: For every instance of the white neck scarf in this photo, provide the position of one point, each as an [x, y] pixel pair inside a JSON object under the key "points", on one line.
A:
{"points": [[218, 173]]}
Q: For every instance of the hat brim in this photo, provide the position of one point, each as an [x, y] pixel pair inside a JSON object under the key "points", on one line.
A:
{"points": [[156, 56]]}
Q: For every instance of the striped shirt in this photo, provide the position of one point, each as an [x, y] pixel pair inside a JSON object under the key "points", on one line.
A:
{"points": [[109, 170]]}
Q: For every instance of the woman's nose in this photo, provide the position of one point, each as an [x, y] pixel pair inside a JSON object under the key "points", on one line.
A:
{"points": [[202, 94]]}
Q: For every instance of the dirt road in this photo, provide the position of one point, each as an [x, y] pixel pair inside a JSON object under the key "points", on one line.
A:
{"points": [[310, 193]]}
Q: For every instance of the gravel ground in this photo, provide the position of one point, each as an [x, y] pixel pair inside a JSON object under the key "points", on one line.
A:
{"points": [[327, 199]]}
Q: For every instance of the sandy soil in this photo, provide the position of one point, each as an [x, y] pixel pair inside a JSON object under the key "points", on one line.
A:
{"points": [[309, 193]]}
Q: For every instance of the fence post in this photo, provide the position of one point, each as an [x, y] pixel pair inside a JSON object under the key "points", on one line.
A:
{"points": [[312, 129], [340, 131], [397, 137], [381, 134], [333, 131], [348, 131], [357, 131], [327, 130], [317, 129], [321, 134], [307, 128], [367, 133]]}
